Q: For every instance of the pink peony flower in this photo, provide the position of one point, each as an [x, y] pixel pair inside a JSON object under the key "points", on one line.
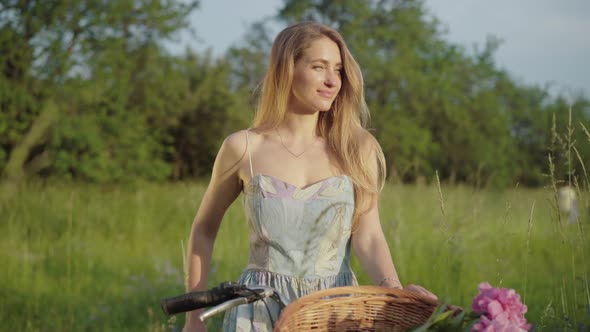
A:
{"points": [[501, 310]]}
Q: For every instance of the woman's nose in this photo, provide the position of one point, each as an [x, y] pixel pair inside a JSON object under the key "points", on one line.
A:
{"points": [[332, 79]]}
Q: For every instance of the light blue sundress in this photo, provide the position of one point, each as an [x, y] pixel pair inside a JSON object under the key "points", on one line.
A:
{"points": [[299, 242]]}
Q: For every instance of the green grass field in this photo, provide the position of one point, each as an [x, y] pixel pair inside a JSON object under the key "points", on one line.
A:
{"points": [[99, 258]]}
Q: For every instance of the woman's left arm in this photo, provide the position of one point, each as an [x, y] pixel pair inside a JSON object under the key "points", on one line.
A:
{"points": [[370, 247], [368, 241]]}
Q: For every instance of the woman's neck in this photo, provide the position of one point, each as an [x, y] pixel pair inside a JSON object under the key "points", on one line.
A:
{"points": [[300, 125]]}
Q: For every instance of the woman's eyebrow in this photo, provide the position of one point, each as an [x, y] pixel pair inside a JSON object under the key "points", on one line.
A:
{"points": [[325, 61]]}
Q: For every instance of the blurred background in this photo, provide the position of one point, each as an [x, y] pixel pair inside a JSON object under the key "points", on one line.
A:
{"points": [[113, 91], [111, 113]]}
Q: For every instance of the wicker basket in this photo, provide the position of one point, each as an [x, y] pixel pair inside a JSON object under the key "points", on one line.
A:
{"points": [[356, 308]]}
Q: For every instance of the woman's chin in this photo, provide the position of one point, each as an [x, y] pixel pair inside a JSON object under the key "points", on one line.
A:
{"points": [[324, 108]]}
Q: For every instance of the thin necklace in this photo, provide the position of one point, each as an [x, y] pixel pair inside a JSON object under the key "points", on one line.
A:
{"points": [[296, 155]]}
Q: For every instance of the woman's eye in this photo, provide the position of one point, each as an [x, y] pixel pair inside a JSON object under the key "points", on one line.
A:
{"points": [[318, 67]]}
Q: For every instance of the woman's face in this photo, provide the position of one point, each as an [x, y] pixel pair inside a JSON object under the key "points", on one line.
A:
{"points": [[317, 77]]}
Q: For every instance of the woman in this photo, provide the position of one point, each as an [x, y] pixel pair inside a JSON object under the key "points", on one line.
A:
{"points": [[310, 175]]}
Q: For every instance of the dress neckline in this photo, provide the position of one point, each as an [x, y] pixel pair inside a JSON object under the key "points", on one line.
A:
{"points": [[299, 187]]}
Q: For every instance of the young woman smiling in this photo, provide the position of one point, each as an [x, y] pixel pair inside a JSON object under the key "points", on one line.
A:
{"points": [[310, 175]]}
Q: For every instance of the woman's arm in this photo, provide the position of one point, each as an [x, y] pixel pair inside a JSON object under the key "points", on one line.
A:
{"points": [[370, 247], [368, 240], [224, 187]]}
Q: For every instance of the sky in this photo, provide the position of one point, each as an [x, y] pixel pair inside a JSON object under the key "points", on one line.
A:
{"points": [[544, 42]]}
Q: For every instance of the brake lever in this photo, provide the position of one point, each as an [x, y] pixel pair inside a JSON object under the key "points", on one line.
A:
{"points": [[247, 296]]}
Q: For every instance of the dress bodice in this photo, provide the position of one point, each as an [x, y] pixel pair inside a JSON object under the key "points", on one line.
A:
{"points": [[300, 232], [299, 243]]}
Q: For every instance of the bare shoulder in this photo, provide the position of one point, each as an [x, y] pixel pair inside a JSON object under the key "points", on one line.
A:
{"points": [[239, 140], [232, 150], [236, 142]]}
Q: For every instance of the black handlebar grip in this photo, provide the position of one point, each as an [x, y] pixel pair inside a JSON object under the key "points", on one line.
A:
{"points": [[197, 300]]}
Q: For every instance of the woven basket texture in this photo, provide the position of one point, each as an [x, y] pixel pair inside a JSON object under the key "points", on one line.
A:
{"points": [[356, 308]]}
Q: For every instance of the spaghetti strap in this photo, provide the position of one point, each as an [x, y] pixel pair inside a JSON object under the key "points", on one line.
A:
{"points": [[249, 153]]}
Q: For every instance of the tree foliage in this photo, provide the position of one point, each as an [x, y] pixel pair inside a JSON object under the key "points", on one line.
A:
{"points": [[437, 106], [97, 64], [88, 91]]}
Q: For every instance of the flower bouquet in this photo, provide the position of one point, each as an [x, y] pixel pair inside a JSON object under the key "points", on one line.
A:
{"points": [[493, 310]]}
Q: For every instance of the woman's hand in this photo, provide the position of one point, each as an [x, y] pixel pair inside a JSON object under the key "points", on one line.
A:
{"points": [[421, 290]]}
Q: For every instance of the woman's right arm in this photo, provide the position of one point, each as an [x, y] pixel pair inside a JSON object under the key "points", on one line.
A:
{"points": [[224, 187]]}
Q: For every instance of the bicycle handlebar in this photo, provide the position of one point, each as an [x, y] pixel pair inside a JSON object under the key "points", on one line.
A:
{"points": [[221, 298], [196, 300], [255, 294]]}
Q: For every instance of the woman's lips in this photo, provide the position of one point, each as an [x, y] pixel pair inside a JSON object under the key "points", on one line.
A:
{"points": [[326, 94]]}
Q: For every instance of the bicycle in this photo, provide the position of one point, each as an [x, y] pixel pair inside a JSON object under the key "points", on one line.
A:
{"points": [[349, 308]]}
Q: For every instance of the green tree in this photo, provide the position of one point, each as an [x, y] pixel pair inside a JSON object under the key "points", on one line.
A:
{"points": [[437, 106], [430, 100], [210, 112], [50, 52], [118, 127]]}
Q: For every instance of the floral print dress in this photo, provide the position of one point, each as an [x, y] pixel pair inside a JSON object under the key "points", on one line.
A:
{"points": [[299, 243]]}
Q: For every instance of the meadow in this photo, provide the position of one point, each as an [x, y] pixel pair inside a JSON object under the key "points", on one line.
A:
{"points": [[99, 258]]}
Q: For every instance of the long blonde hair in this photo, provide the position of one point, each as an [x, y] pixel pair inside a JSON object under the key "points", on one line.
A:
{"points": [[342, 126]]}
